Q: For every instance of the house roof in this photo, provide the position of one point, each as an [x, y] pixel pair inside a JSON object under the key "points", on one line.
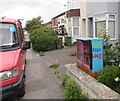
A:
{"points": [[59, 15], [65, 12], [73, 10]]}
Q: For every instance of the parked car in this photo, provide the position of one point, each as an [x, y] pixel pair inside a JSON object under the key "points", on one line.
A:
{"points": [[12, 59]]}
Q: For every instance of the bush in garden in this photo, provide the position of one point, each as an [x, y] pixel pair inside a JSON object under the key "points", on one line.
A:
{"points": [[36, 27], [43, 38], [111, 55], [72, 89], [108, 77], [111, 52]]}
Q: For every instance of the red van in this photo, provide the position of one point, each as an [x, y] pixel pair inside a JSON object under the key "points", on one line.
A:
{"points": [[12, 59]]}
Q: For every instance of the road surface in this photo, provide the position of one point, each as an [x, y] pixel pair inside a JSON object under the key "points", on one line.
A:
{"points": [[41, 81]]}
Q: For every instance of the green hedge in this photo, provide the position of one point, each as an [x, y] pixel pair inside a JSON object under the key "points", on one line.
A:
{"points": [[43, 38], [108, 77]]}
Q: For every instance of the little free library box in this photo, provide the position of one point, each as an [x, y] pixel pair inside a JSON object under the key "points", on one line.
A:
{"points": [[90, 55]]}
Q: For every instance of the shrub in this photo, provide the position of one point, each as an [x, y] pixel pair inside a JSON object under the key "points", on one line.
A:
{"points": [[35, 27], [111, 51], [72, 89], [111, 55], [108, 75], [54, 66], [44, 39]]}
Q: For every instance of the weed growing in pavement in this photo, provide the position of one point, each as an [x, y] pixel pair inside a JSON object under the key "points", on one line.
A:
{"points": [[55, 66], [41, 53], [59, 77], [57, 74]]}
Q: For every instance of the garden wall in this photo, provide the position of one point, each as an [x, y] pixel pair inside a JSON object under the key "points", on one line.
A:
{"points": [[91, 88]]}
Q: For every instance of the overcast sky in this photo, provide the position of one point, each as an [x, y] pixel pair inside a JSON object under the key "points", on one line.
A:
{"points": [[28, 9]]}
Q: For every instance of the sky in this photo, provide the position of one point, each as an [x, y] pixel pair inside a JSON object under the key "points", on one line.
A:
{"points": [[28, 9]]}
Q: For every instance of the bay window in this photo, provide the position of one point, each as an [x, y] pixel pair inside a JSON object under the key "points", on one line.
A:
{"points": [[105, 24], [100, 27], [111, 29], [73, 26]]}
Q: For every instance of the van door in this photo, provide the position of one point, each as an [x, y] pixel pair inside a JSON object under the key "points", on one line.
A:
{"points": [[23, 52]]}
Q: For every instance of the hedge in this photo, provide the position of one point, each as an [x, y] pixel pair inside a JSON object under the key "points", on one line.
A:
{"points": [[43, 38]]}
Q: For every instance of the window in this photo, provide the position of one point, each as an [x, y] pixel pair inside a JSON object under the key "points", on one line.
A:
{"points": [[73, 26], [21, 34], [76, 31], [69, 27], [100, 27], [111, 16], [69, 31], [111, 29], [87, 53], [58, 22], [76, 21], [86, 56], [79, 49], [69, 22], [8, 34], [105, 23], [76, 26], [62, 20]]}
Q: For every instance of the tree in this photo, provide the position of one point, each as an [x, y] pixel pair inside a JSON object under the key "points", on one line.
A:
{"points": [[34, 21]]}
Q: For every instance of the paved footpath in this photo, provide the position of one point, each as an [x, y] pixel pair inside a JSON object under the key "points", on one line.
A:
{"points": [[41, 80]]}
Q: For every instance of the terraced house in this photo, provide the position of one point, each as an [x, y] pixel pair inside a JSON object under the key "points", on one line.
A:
{"points": [[87, 18], [104, 18], [97, 17]]}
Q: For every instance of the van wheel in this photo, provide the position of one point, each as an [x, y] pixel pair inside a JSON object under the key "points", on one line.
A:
{"points": [[22, 90]]}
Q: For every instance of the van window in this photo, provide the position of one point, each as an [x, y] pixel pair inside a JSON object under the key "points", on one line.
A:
{"points": [[8, 35], [21, 34]]}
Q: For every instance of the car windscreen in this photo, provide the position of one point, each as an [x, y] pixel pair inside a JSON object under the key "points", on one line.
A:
{"points": [[8, 35]]}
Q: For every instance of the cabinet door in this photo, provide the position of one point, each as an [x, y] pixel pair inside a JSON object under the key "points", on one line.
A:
{"points": [[79, 51], [87, 54]]}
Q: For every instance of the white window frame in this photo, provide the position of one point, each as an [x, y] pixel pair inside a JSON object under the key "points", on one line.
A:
{"points": [[75, 26], [105, 17], [69, 26]]}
